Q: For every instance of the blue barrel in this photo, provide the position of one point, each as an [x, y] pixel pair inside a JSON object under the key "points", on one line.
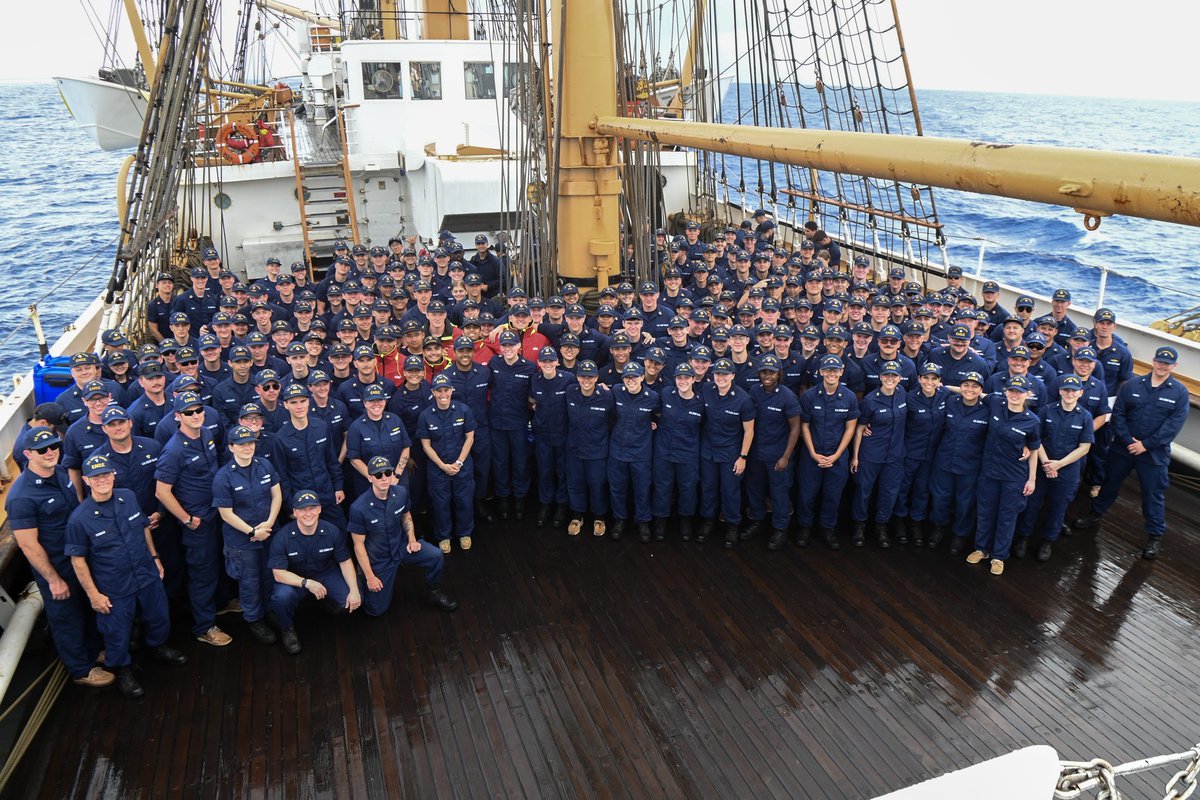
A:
{"points": [[50, 376]]}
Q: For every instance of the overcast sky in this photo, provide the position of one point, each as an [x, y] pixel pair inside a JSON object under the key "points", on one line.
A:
{"points": [[1105, 48]]}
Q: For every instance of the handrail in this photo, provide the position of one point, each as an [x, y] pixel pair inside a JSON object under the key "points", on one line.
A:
{"points": [[341, 118], [300, 194]]}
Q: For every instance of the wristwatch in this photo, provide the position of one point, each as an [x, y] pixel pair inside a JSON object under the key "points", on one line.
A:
{"points": [[744, 455], [304, 583]]}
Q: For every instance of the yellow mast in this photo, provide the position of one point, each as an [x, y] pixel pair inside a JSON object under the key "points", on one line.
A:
{"points": [[589, 177], [1094, 182], [444, 19], [139, 38], [687, 73]]}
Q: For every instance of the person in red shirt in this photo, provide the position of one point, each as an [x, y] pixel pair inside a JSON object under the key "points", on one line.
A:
{"points": [[435, 357], [520, 321], [391, 357]]}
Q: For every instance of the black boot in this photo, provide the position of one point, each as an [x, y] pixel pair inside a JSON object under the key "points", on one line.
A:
{"points": [[518, 508], [803, 534], [750, 530], [617, 530], [778, 537], [859, 537], [1150, 551], [706, 526], [262, 632], [731, 536], [916, 533], [643, 532], [956, 544], [560, 516], [1088, 520], [935, 538], [291, 642], [543, 515], [168, 655], [503, 505], [482, 512], [660, 529], [439, 599], [1045, 550], [831, 538], [881, 532], [128, 684], [1065, 530], [1020, 546], [900, 530], [685, 528]]}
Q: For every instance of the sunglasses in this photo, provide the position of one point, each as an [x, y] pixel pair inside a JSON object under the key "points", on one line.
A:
{"points": [[188, 363], [270, 387], [191, 412], [50, 448], [387, 473]]}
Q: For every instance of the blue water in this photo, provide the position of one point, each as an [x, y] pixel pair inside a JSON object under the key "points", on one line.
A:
{"points": [[58, 208]]}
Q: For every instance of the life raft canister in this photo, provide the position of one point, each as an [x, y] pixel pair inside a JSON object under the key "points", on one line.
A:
{"points": [[238, 143]]}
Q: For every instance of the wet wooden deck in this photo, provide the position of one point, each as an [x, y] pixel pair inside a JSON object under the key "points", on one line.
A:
{"points": [[593, 668]]}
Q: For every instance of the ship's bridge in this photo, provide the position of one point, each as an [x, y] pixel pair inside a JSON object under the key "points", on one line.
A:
{"points": [[408, 94]]}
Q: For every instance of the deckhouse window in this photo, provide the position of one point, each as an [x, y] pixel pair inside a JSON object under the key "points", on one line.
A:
{"points": [[382, 80], [426, 79], [479, 80]]}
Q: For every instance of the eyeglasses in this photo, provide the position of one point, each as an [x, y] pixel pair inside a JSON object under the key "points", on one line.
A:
{"points": [[191, 412], [270, 387], [50, 448], [387, 473], [188, 363]]}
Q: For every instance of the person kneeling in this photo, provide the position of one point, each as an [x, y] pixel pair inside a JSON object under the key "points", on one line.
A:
{"points": [[309, 556], [381, 528]]}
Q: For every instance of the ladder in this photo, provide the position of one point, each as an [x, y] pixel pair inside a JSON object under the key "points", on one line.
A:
{"points": [[325, 197]]}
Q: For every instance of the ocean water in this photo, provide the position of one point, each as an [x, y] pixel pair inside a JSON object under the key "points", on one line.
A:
{"points": [[58, 208]]}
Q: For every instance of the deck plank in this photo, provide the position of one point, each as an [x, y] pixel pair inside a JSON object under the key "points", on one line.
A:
{"points": [[587, 667]]}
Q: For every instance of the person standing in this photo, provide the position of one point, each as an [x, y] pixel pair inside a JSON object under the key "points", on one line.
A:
{"points": [[777, 430], [955, 472], [878, 454], [308, 457], [725, 441], [39, 505], [309, 556], [631, 451], [1148, 415], [1010, 455], [548, 393], [247, 496], [512, 376], [922, 430], [184, 485], [589, 408], [381, 530], [828, 416], [446, 431], [677, 453], [112, 553], [1067, 436]]}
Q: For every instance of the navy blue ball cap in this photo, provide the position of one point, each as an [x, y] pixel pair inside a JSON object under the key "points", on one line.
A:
{"points": [[442, 381], [93, 389], [931, 368], [633, 370], [587, 369], [1071, 382], [306, 498], [973, 377], [723, 366], [547, 354], [464, 343], [240, 434], [249, 410], [98, 465], [187, 400], [413, 363], [37, 438], [1166, 355], [114, 413], [890, 368], [769, 362], [375, 392], [831, 362]]}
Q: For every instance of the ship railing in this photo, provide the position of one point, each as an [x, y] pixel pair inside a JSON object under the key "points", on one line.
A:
{"points": [[401, 23], [237, 138]]}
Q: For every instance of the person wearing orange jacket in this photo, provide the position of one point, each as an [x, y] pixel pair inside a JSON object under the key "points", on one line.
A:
{"points": [[520, 322]]}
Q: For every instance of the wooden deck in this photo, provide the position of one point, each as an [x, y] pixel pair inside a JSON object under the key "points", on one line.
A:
{"points": [[593, 668]]}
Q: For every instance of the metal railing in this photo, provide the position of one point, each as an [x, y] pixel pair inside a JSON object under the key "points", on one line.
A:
{"points": [[241, 137]]}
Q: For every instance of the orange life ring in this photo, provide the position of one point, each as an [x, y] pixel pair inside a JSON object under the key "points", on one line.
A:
{"points": [[238, 143]]}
